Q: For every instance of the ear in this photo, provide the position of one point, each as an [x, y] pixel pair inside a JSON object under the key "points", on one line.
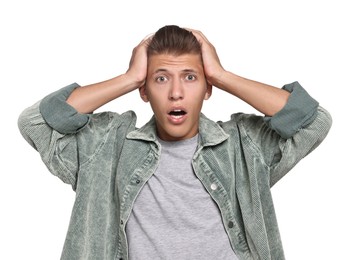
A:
{"points": [[143, 93], [208, 91]]}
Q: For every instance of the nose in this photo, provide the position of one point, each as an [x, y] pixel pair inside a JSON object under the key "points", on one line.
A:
{"points": [[176, 90]]}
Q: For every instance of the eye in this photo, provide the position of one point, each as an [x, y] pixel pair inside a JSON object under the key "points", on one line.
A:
{"points": [[161, 79], [190, 77]]}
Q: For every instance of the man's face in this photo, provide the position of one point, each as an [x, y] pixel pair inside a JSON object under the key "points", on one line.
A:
{"points": [[176, 88]]}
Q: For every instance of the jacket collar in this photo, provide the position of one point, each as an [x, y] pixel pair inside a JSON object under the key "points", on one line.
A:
{"points": [[210, 133]]}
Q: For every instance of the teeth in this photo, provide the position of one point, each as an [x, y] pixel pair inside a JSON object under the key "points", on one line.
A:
{"points": [[177, 113]]}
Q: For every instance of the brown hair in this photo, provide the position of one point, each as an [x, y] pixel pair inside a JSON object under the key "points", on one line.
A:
{"points": [[174, 40]]}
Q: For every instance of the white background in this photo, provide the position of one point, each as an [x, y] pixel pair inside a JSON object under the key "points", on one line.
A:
{"points": [[46, 45]]}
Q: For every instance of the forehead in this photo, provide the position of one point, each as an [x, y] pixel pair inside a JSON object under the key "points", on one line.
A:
{"points": [[169, 62]]}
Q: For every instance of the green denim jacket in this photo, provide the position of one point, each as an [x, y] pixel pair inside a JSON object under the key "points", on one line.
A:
{"points": [[107, 160]]}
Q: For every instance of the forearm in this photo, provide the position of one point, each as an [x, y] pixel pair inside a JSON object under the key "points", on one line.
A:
{"points": [[88, 98], [265, 98]]}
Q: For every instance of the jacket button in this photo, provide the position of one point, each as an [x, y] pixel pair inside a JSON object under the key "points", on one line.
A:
{"points": [[213, 186], [137, 181], [230, 224]]}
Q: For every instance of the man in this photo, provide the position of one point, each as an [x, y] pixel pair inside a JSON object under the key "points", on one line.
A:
{"points": [[181, 186]]}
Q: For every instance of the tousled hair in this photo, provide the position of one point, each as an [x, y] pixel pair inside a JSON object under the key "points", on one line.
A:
{"points": [[172, 39]]}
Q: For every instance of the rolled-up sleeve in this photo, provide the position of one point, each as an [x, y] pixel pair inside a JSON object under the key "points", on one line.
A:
{"points": [[49, 126], [282, 140], [299, 111], [66, 140], [59, 115]]}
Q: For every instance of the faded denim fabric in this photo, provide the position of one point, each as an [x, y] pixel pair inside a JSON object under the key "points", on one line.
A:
{"points": [[107, 160]]}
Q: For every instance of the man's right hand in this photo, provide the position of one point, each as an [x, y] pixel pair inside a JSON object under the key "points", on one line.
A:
{"points": [[138, 62], [88, 98]]}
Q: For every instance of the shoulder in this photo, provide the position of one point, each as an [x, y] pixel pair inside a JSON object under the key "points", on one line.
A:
{"points": [[242, 121], [106, 121]]}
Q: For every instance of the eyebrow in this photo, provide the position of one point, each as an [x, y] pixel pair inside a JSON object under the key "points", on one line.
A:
{"points": [[165, 70]]}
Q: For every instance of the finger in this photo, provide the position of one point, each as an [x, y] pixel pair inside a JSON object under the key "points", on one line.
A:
{"points": [[147, 38], [199, 35]]}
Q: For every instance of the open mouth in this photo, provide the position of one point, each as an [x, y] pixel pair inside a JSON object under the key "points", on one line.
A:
{"points": [[177, 113]]}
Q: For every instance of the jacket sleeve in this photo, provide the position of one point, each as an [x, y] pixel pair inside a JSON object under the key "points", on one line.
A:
{"points": [[51, 126], [285, 138]]}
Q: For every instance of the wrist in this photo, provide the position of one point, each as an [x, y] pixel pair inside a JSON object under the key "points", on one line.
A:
{"points": [[133, 80], [130, 81], [219, 79]]}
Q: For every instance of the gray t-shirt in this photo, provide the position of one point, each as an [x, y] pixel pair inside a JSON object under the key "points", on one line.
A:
{"points": [[174, 217]]}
